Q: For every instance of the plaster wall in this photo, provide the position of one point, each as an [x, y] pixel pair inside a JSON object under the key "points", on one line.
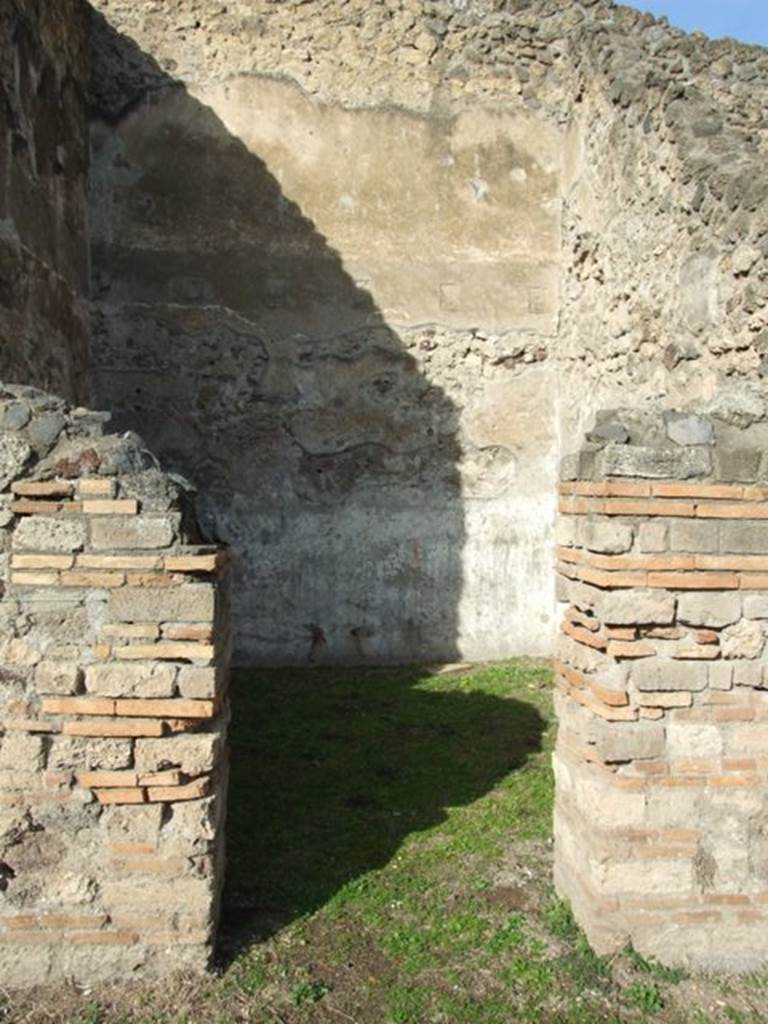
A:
{"points": [[362, 271], [336, 317]]}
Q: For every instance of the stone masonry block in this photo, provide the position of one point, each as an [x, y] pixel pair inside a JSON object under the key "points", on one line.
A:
{"points": [[720, 675], [654, 463], [687, 428], [139, 679], [118, 532], [737, 465], [748, 673], [133, 824], [652, 537], [628, 741], [645, 876], [198, 681], [21, 752], [193, 754], [605, 536], [744, 537], [633, 607], [14, 453], [62, 677], [744, 639], [606, 806], [688, 535], [45, 533], [193, 602], [655, 674], [86, 754], [709, 609], [756, 606], [565, 531], [687, 740]]}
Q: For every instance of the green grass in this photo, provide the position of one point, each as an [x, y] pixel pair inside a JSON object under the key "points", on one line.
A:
{"points": [[389, 852]]}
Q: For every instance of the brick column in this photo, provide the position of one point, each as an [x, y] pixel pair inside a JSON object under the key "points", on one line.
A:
{"points": [[113, 668], [661, 822]]}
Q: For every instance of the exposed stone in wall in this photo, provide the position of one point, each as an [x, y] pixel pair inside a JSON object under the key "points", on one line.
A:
{"points": [[44, 320], [415, 230], [113, 712], [663, 694]]}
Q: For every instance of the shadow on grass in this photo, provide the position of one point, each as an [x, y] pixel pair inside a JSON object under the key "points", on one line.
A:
{"points": [[332, 769]]}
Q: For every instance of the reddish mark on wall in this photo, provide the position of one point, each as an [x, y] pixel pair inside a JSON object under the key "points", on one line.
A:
{"points": [[317, 640]]}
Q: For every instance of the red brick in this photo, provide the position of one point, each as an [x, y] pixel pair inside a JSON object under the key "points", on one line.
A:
{"points": [[96, 580], [42, 561], [128, 795], [191, 563], [630, 649], [628, 488], [679, 490], [734, 714], [583, 636], [33, 508], [694, 580], [114, 727], [706, 636], [191, 791], [651, 507], [612, 697], [570, 554], [122, 938], [108, 506], [43, 488], [754, 582], [117, 561], [736, 780], [736, 563], [174, 707], [78, 706], [724, 510]]}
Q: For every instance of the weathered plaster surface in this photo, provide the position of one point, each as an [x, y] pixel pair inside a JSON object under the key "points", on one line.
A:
{"points": [[325, 312]]}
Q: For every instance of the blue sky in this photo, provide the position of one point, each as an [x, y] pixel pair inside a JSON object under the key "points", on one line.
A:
{"points": [[743, 19]]}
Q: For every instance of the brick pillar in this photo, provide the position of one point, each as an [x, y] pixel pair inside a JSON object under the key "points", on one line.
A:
{"points": [[113, 667], [661, 821]]}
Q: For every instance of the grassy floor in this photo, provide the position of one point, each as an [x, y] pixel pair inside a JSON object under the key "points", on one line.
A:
{"points": [[389, 863]]}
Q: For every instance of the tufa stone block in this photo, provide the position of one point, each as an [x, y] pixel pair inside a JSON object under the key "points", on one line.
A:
{"points": [[61, 677], [605, 536], [709, 609], [145, 679], [193, 602], [46, 533], [193, 754], [631, 741], [654, 463], [116, 532]]}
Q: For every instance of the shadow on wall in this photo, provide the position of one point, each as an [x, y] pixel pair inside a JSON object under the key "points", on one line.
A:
{"points": [[228, 333], [349, 763]]}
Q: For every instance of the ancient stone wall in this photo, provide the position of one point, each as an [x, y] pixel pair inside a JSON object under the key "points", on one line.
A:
{"points": [[113, 712], [44, 319], [354, 264], [661, 761]]}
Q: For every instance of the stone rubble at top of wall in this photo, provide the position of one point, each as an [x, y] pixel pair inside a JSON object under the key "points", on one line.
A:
{"points": [[664, 221], [114, 643]]}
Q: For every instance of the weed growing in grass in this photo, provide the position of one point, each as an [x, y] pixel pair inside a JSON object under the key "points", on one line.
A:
{"points": [[390, 863], [644, 996], [670, 975], [309, 992]]}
